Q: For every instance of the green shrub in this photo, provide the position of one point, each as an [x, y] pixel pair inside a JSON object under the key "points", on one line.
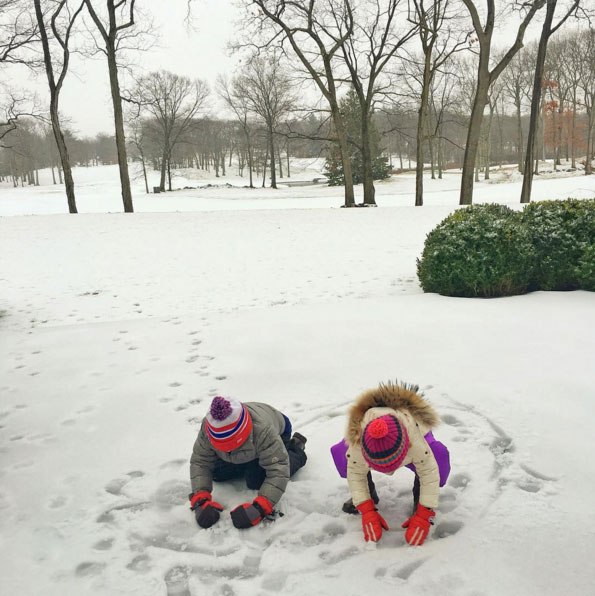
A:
{"points": [[585, 271], [482, 250], [563, 235]]}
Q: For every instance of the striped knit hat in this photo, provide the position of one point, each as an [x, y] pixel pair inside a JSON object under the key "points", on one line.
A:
{"points": [[228, 424], [385, 444]]}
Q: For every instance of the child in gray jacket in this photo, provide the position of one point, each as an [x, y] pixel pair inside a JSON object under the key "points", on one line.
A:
{"points": [[250, 440]]}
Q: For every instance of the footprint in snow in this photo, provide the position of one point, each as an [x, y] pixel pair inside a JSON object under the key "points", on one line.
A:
{"points": [[407, 571], [176, 581], [89, 569], [447, 528]]}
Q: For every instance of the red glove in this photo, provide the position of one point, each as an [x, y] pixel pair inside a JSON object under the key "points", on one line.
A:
{"points": [[250, 514], [206, 510], [372, 521], [418, 525]]}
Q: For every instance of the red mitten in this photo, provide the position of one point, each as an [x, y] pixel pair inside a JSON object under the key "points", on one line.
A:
{"points": [[418, 525], [250, 514], [372, 521], [206, 510]]}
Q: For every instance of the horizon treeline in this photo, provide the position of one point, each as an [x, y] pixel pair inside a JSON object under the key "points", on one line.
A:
{"points": [[431, 88]]}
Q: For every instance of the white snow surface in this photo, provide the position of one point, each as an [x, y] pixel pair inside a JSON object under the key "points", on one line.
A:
{"points": [[117, 330]]}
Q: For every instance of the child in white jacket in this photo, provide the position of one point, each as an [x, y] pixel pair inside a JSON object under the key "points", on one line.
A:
{"points": [[388, 428]]}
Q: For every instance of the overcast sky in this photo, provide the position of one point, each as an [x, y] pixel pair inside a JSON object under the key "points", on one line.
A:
{"points": [[199, 51]]}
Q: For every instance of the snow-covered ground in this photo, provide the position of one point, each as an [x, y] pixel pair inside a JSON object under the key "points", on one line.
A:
{"points": [[116, 330]]}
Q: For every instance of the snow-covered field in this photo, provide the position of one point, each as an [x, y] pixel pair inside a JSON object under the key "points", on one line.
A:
{"points": [[98, 191], [116, 330]]}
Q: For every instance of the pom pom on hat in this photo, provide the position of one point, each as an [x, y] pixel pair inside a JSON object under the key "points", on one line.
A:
{"points": [[385, 443], [220, 408], [378, 428], [228, 423]]}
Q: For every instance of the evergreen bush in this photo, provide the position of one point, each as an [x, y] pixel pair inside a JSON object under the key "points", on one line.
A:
{"points": [[586, 269], [563, 236], [352, 115], [478, 251]]}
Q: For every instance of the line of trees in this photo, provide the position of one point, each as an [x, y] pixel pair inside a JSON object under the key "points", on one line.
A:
{"points": [[415, 80], [373, 46]]}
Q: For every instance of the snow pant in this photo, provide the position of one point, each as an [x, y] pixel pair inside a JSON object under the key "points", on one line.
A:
{"points": [[252, 472]]}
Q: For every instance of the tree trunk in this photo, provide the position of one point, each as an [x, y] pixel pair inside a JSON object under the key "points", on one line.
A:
{"points": [[163, 169], [368, 174], [272, 155], [250, 165], [119, 126], [142, 157], [590, 130], [280, 162], [54, 113], [345, 159], [264, 169], [64, 157], [473, 135], [421, 121], [536, 100], [287, 155], [488, 145], [519, 134]]}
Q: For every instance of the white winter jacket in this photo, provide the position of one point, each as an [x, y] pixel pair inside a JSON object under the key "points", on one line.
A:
{"points": [[418, 418]]}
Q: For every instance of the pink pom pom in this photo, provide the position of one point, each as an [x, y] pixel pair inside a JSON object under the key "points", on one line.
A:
{"points": [[378, 429]]}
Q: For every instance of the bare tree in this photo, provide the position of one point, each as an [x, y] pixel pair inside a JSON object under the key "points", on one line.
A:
{"points": [[238, 103], [114, 31], [172, 102], [487, 73], [18, 32], [315, 32], [547, 31], [433, 20], [516, 84], [60, 17], [375, 41], [587, 88], [137, 138], [267, 92]]}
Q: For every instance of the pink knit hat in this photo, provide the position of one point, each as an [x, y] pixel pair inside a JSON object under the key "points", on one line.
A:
{"points": [[228, 423], [385, 443]]}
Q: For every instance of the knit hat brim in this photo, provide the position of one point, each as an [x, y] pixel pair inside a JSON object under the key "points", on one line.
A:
{"points": [[234, 435]]}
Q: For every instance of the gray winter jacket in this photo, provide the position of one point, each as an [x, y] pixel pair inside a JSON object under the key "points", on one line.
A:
{"points": [[264, 444]]}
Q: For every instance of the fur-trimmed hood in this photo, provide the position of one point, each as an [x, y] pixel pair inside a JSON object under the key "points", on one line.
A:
{"points": [[398, 396]]}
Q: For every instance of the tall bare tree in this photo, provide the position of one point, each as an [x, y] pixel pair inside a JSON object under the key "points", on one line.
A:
{"points": [[238, 103], [438, 41], [548, 29], [315, 32], [375, 41], [172, 102], [119, 19], [268, 93], [587, 88], [61, 22], [487, 73], [516, 87]]}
